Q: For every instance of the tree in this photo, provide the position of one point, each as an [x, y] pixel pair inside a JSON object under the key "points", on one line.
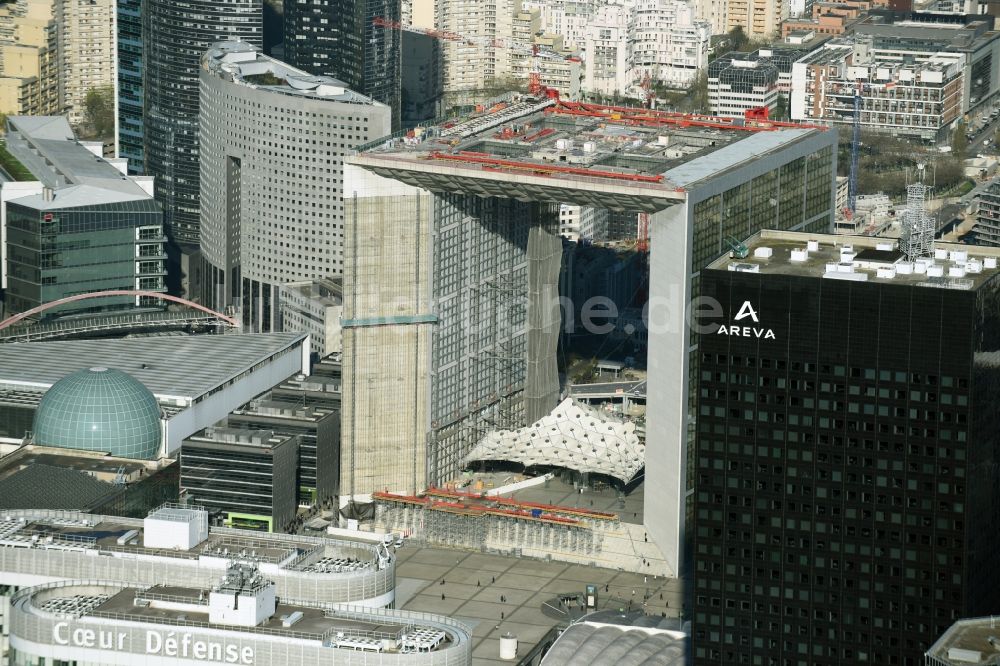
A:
{"points": [[738, 39], [959, 142], [781, 108], [99, 112], [698, 93]]}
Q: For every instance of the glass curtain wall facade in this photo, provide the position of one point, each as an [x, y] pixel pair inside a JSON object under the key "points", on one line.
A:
{"points": [[338, 38], [846, 507], [175, 36], [55, 253], [129, 84]]}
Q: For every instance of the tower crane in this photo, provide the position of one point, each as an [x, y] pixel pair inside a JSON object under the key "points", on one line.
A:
{"points": [[852, 178]]}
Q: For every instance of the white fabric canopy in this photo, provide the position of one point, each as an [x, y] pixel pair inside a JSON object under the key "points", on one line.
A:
{"points": [[573, 435]]}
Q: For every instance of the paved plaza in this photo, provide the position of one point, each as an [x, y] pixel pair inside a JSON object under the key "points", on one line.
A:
{"points": [[474, 583]]}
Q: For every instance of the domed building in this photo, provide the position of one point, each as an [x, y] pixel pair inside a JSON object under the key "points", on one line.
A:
{"points": [[100, 409]]}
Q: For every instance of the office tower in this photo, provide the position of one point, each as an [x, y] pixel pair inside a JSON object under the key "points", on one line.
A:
{"points": [[87, 228], [338, 38], [128, 85], [271, 173], [847, 443], [175, 35], [247, 475], [741, 81], [452, 264], [317, 427]]}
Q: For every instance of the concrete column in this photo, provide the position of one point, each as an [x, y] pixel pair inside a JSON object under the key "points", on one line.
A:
{"points": [[387, 326], [667, 396]]}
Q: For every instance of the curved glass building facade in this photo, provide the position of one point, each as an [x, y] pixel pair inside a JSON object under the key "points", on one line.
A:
{"points": [[174, 36], [100, 409]]}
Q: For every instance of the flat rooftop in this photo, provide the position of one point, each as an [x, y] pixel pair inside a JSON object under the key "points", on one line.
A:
{"points": [[106, 534], [614, 157], [863, 259], [177, 367], [967, 643], [175, 606], [244, 64]]}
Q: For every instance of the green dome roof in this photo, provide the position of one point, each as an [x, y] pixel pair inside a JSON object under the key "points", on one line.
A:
{"points": [[100, 409]]}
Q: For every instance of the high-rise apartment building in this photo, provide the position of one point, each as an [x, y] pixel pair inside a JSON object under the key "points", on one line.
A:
{"points": [[86, 51], [758, 18], [472, 70], [128, 85], [666, 42], [987, 227], [606, 46], [271, 174], [54, 52], [847, 442], [175, 35], [29, 75], [339, 39]]}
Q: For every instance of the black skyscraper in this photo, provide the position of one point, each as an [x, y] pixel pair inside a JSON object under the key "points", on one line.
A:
{"points": [[339, 38], [175, 35], [847, 496]]}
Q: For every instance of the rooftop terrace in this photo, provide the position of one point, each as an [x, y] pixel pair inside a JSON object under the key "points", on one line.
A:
{"points": [[602, 153], [967, 643], [863, 259]]}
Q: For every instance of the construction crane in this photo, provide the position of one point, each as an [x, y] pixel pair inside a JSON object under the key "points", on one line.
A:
{"points": [[642, 242], [852, 178]]}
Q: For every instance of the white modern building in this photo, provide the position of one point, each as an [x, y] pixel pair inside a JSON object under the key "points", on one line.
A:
{"points": [[239, 618], [666, 42], [606, 52], [272, 141], [442, 240], [315, 308], [740, 81]]}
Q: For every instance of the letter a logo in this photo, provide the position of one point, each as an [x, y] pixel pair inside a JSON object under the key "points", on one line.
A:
{"points": [[746, 310]]}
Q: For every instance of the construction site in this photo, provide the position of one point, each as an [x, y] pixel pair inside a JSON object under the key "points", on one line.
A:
{"points": [[453, 259]]}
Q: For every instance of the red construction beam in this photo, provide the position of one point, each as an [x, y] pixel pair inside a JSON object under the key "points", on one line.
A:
{"points": [[636, 116], [478, 158]]}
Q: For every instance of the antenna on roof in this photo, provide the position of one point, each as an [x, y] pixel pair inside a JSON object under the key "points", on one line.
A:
{"points": [[917, 230]]}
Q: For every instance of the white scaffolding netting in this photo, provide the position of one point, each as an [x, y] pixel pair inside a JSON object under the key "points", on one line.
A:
{"points": [[574, 436]]}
